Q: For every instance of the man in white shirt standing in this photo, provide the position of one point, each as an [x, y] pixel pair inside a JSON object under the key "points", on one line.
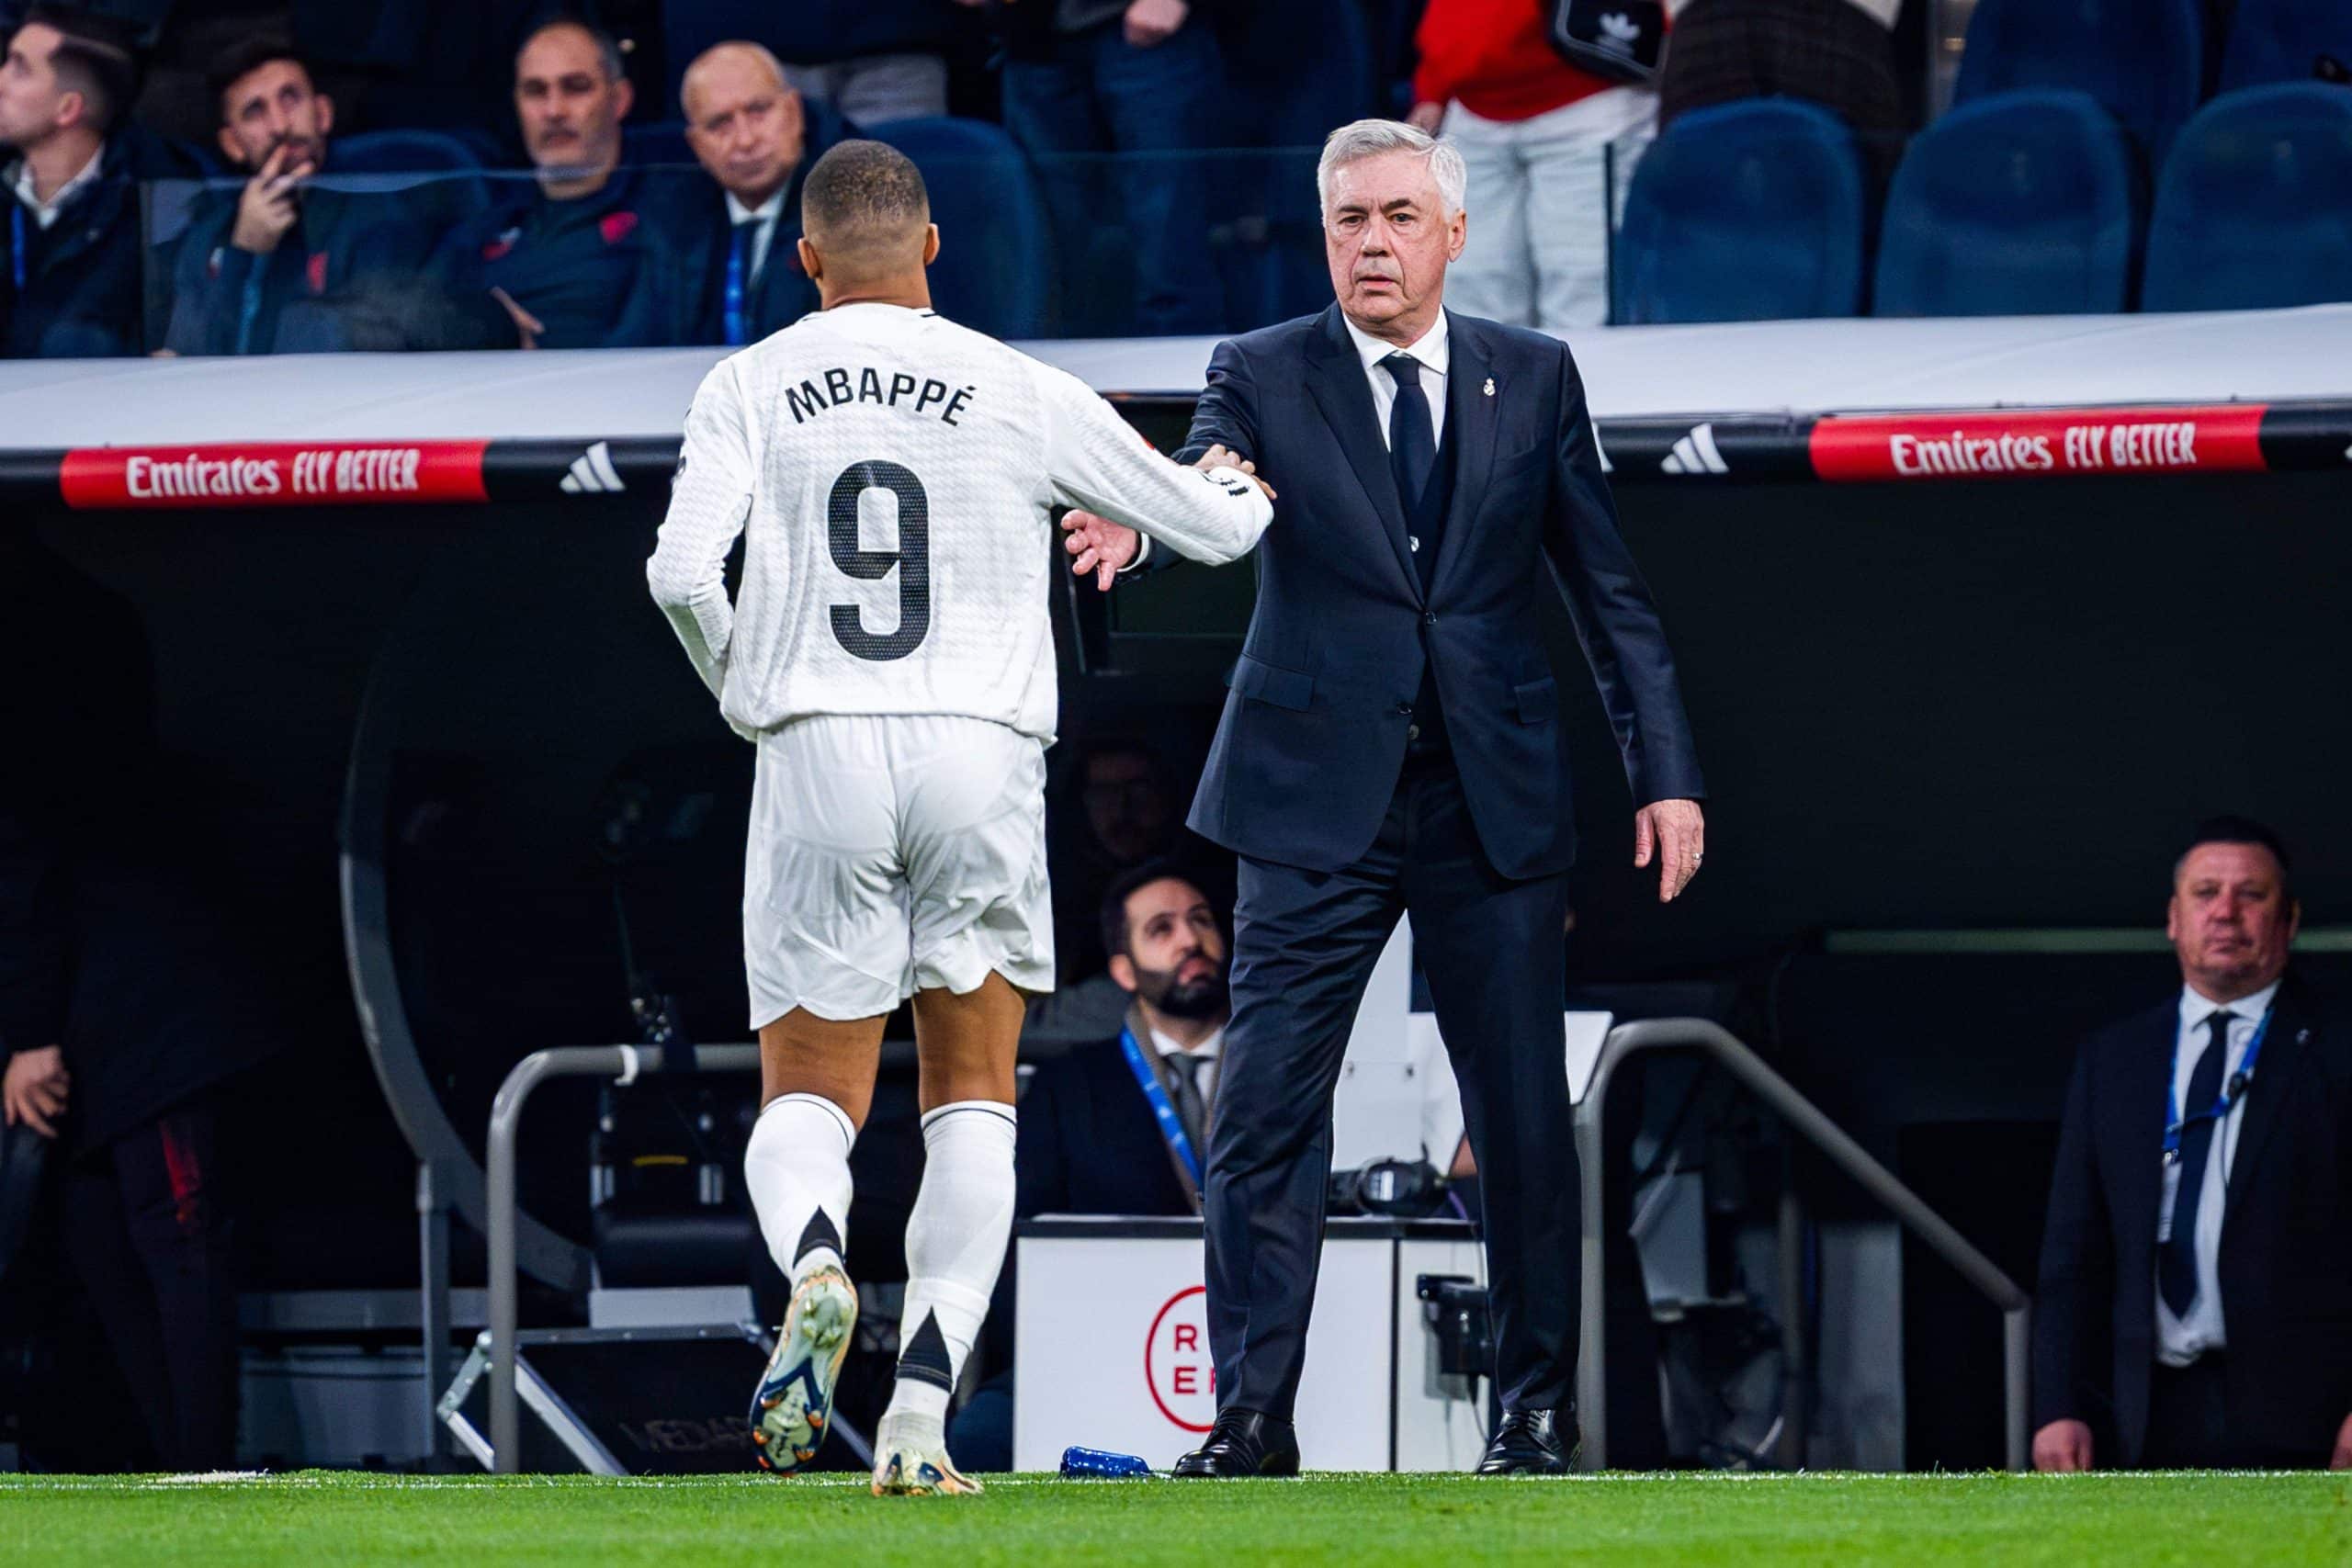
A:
{"points": [[2198, 1223], [890, 655]]}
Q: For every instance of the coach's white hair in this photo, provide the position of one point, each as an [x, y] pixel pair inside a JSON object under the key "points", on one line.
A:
{"points": [[1369, 138]]}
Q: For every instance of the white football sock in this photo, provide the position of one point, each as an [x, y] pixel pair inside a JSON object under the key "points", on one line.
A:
{"points": [[956, 1239], [797, 1168]]}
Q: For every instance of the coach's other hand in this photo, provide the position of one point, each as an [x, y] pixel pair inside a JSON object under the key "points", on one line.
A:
{"points": [[2062, 1448], [1675, 832], [34, 1089]]}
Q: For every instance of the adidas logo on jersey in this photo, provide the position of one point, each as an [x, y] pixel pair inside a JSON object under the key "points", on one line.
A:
{"points": [[1696, 454], [592, 472]]}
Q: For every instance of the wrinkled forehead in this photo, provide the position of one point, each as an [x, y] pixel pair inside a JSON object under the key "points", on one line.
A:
{"points": [[264, 80], [2228, 863], [1383, 180], [557, 52]]}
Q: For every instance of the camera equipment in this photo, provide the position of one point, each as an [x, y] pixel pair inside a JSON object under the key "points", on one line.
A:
{"points": [[1453, 1306], [1399, 1189]]}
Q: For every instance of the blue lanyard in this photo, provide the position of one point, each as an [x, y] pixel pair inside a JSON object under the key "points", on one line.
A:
{"points": [[2233, 1089], [1171, 1126], [16, 225], [738, 242]]}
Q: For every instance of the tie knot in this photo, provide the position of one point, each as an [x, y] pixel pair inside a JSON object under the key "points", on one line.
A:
{"points": [[1404, 367], [2219, 1020]]}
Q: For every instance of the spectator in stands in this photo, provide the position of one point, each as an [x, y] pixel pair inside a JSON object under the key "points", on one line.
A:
{"points": [[1116, 811], [1837, 54], [1543, 142], [755, 137], [71, 286], [580, 257], [1130, 76], [2195, 1306], [871, 61], [284, 265]]}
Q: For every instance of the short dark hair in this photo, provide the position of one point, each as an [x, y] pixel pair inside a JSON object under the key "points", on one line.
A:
{"points": [[608, 48], [244, 56], [860, 183], [1116, 938], [97, 57], [2232, 829]]}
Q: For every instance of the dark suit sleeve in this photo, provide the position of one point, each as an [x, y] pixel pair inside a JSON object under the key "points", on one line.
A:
{"points": [[33, 974], [207, 299], [2077, 1273], [1226, 416], [1616, 621]]}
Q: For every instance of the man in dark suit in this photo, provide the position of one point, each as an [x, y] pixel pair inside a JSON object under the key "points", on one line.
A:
{"points": [[2196, 1299], [756, 138], [1392, 745]]}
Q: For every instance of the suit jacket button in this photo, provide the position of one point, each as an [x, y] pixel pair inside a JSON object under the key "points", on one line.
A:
{"points": [[1428, 617], [1405, 709], [1412, 732], [1414, 540]]}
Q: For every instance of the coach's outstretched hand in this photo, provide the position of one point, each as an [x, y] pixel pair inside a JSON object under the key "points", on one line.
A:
{"points": [[1675, 832], [2062, 1448], [1106, 549]]}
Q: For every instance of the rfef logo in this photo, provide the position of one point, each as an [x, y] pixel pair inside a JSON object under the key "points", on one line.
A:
{"points": [[1176, 1365]]}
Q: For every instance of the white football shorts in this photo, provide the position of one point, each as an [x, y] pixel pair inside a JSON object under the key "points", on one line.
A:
{"points": [[890, 855]]}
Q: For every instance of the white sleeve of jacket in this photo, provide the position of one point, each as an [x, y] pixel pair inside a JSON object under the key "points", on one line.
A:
{"points": [[710, 498], [1096, 461]]}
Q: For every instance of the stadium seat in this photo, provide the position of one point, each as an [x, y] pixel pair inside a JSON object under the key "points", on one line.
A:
{"points": [[405, 153], [2255, 207], [1747, 212], [2282, 41], [2143, 59], [661, 144], [2022, 203], [996, 254]]}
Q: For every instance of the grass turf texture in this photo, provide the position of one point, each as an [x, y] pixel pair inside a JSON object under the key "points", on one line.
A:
{"points": [[322, 1519]]}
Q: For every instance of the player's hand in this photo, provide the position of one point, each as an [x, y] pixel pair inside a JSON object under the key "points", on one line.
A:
{"points": [[34, 1089], [267, 208], [1220, 457], [1099, 545], [2064, 1446], [528, 329], [1675, 832], [1426, 116], [1151, 23]]}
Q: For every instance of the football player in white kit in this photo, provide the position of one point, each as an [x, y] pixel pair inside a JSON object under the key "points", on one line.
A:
{"points": [[889, 654]]}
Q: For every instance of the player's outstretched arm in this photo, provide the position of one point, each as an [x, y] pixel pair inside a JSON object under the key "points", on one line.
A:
{"points": [[710, 497], [1096, 462]]}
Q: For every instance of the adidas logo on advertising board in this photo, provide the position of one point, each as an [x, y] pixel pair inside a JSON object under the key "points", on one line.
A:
{"points": [[1696, 454], [592, 472]]}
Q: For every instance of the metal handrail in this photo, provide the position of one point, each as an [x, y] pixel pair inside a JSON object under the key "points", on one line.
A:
{"points": [[623, 1062], [1808, 1121]]}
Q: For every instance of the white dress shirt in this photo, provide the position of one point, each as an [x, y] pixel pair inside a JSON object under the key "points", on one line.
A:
{"points": [[765, 216], [2180, 1340], [1430, 348], [45, 212]]}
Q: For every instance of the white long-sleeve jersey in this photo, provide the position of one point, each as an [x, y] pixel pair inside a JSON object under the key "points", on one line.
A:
{"points": [[896, 473]]}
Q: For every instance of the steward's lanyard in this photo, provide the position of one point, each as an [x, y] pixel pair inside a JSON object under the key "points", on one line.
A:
{"points": [[739, 240], [2233, 1089], [1155, 1093], [16, 250]]}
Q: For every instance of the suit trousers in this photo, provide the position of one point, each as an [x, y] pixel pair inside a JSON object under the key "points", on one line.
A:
{"points": [[1493, 950]]}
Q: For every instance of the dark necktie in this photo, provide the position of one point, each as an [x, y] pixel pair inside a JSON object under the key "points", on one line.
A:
{"points": [[1412, 439], [2176, 1259], [1192, 1106]]}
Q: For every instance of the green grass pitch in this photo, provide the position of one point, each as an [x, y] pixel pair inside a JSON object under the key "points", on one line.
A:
{"points": [[320, 1520]]}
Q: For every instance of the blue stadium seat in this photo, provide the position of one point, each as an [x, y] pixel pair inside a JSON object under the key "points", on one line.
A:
{"points": [[661, 142], [2255, 207], [996, 254], [2281, 41], [2022, 203], [1744, 212], [404, 153], [2143, 59]]}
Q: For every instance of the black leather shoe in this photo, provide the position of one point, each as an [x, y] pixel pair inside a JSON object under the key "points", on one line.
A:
{"points": [[1529, 1442], [1244, 1442]]}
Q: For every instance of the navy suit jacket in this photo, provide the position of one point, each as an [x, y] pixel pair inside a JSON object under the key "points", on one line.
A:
{"points": [[1090, 1144], [2286, 1262], [1313, 739]]}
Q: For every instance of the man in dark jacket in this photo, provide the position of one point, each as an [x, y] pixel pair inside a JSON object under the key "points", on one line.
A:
{"points": [[70, 284], [285, 265], [2195, 1308], [577, 257], [756, 137]]}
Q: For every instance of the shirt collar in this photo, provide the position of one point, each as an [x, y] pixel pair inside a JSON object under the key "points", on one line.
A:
{"points": [[1430, 348], [45, 212], [2196, 1007], [767, 211], [1206, 1051]]}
